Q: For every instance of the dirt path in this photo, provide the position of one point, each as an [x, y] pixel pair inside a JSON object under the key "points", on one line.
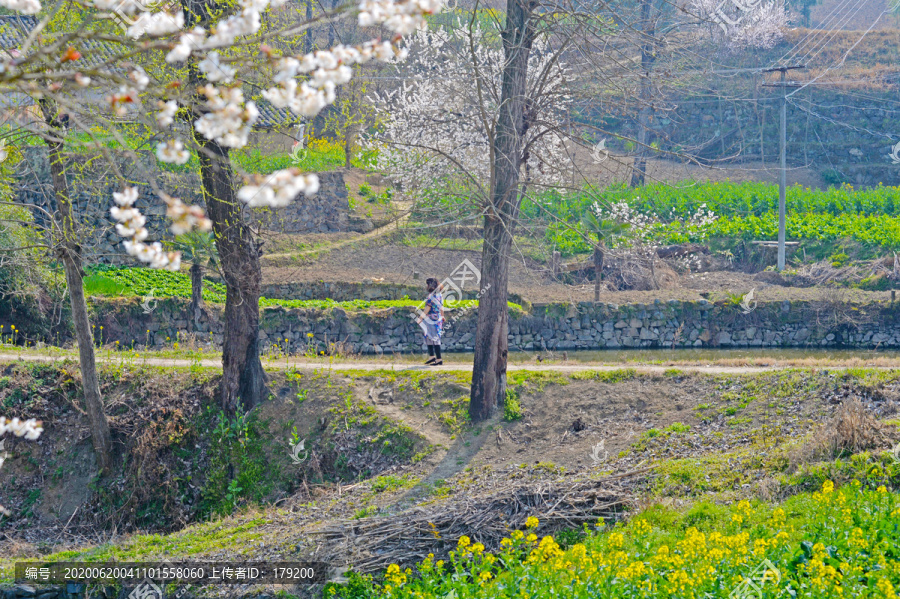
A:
{"points": [[452, 367], [392, 226]]}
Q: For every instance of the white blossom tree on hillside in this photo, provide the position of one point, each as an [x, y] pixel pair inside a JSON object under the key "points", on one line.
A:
{"points": [[494, 138], [459, 122]]}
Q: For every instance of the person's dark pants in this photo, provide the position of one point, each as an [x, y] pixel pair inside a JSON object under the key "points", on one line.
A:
{"points": [[434, 349]]}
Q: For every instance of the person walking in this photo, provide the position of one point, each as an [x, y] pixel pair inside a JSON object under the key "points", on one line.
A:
{"points": [[432, 322]]}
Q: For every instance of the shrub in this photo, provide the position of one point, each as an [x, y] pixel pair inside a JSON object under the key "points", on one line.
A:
{"points": [[839, 260], [512, 411]]}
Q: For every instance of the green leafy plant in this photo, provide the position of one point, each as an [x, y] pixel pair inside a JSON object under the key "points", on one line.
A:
{"points": [[839, 260], [512, 411]]}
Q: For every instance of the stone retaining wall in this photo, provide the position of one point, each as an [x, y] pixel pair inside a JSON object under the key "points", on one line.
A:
{"points": [[341, 291], [553, 327], [92, 184]]}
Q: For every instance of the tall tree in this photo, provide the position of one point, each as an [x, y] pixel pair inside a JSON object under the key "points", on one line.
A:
{"points": [[243, 384], [69, 252], [243, 378], [647, 32], [491, 337]]}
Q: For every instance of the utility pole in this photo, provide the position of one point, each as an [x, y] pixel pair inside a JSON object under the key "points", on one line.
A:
{"points": [[782, 180]]}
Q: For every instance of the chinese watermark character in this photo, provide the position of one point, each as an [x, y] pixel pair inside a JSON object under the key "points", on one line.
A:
{"points": [[600, 153], [748, 302], [146, 302], [752, 586]]}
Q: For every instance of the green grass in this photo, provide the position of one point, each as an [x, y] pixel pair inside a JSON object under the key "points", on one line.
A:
{"points": [[382, 484], [605, 376], [320, 154]]}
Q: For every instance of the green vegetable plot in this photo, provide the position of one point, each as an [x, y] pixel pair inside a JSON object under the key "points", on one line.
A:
{"points": [[113, 281]]}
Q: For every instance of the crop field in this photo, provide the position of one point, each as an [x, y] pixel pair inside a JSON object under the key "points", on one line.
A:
{"points": [[115, 281], [135, 281], [829, 543], [745, 211]]}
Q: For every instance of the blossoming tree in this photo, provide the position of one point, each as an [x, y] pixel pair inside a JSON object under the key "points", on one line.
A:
{"points": [[182, 73], [490, 123]]}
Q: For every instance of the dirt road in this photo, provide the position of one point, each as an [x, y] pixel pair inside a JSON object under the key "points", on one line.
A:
{"points": [[363, 365]]}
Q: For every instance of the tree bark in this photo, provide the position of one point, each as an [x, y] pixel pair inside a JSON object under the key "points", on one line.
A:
{"points": [[196, 294], [639, 169], [307, 35], [598, 271], [69, 252], [243, 379], [348, 147], [331, 31], [491, 337]]}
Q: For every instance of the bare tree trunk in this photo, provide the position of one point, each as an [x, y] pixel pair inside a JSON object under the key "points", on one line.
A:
{"points": [[331, 30], [196, 294], [69, 253], [349, 140], [307, 35], [243, 378], [598, 271], [639, 169], [491, 337]]}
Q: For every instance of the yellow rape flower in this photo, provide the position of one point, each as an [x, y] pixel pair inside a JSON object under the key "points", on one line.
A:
{"points": [[633, 570], [641, 527], [532, 522], [885, 587]]}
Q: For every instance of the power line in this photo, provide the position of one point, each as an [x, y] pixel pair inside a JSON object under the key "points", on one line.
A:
{"points": [[846, 54], [828, 38], [790, 54], [841, 123]]}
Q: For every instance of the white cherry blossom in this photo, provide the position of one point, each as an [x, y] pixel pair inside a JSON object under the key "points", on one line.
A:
{"points": [[166, 114], [278, 189], [30, 429], [188, 42], [172, 151], [26, 7], [156, 24], [185, 218], [228, 122], [215, 70]]}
